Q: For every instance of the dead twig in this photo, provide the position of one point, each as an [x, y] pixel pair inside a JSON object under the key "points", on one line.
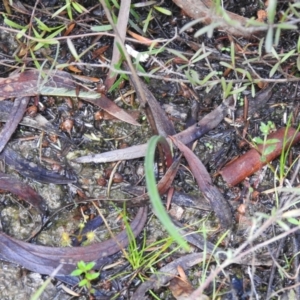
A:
{"points": [[120, 37]]}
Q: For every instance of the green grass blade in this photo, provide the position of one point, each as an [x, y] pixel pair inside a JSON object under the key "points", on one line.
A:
{"points": [[154, 195]]}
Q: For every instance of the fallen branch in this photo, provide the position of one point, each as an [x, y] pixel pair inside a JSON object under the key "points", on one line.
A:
{"points": [[252, 161], [205, 12]]}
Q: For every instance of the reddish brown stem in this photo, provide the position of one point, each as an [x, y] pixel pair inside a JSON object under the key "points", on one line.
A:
{"points": [[247, 164]]}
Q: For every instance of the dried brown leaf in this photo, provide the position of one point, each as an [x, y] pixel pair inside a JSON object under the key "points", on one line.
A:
{"points": [[220, 206]]}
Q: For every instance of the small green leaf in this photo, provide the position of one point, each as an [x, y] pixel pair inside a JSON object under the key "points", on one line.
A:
{"points": [[147, 21], [81, 265], [268, 150], [286, 56], [283, 225], [76, 272], [115, 3], [42, 25], [72, 49], [193, 76], [177, 53], [298, 62], [101, 28], [56, 32], [92, 276], [228, 89], [207, 29], [272, 141], [258, 140], [189, 25], [117, 82], [225, 64], [287, 26], [269, 40], [13, 24], [79, 8], [60, 10], [252, 90], [264, 128], [89, 266], [163, 10], [83, 282], [275, 54], [272, 11], [200, 57], [232, 54], [36, 33], [207, 77], [21, 33], [69, 11], [239, 90], [294, 221], [135, 14], [35, 61], [256, 23]]}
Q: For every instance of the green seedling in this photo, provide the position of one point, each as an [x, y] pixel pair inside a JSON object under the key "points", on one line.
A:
{"points": [[43, 33], [209, 145], [43, 37], [268, 144], [144, 258], [84, 270], [240, 100]]}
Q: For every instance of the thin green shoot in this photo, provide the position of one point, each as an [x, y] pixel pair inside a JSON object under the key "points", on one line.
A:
{"points": [[154, 195], [101, 28], [144, 258], [37, 295], [271, 17], [285, 153], [147, 21]]}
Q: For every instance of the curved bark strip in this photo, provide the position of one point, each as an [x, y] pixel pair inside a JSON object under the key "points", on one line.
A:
{"points": [[204, 11], [24, 191], [45, 260]]}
